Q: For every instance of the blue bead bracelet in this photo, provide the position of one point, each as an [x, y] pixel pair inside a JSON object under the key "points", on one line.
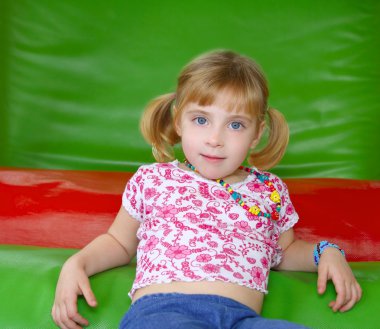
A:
{"points": [[321, 246]]}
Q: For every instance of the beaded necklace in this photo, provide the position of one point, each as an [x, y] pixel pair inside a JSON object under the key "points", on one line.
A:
{"points": [[255, 210]]}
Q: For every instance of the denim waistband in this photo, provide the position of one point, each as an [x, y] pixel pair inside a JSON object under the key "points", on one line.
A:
{"points": [[217, 299], [179, 310]]}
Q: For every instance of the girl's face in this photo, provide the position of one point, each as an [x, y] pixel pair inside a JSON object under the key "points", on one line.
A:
{"points": [[216, 141]]}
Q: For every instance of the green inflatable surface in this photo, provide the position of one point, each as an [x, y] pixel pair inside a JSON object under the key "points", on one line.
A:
{"points": [[31, 274], [76, 75], [81, 72]]}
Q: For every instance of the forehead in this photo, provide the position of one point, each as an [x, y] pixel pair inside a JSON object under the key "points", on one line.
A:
{"points": [[225, 99]]}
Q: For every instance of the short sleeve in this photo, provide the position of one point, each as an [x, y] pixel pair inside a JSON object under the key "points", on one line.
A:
{"points": [[288, 218], [288, 215], [132, 199]]}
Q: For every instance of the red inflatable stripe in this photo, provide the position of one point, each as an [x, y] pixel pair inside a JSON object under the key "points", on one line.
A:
{"points": [[57, 208]]}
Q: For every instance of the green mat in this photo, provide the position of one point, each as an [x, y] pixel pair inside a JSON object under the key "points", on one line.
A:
{"points": [[28, 276]]}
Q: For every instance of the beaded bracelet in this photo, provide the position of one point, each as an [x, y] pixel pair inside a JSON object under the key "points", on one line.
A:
{"points": [[320, 248]]}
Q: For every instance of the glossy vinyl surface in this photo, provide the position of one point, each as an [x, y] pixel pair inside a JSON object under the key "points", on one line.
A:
{"points": [[59, 210], [68, 209], [76, 76]]}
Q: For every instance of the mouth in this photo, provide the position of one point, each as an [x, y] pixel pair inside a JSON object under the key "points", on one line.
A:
{"points": [[212, 158]]}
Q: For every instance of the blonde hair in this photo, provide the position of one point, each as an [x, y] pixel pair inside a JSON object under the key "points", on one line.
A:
{"points": [[200, 82]]}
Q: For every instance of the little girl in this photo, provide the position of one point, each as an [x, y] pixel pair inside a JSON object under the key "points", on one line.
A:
{"points": [[206, 231]]}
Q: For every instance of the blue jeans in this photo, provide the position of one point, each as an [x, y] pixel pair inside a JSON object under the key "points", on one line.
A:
{"points": [[187, 311]]}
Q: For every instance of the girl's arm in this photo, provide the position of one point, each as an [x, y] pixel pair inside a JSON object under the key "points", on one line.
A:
{"points": [[298, 256], [115, 248]]}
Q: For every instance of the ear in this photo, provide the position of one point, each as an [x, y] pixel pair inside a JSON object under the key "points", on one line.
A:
{"points": [[259, 134]]}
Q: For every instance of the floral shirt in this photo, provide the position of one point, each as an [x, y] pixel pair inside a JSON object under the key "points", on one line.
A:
{"points": [[192, 229]]}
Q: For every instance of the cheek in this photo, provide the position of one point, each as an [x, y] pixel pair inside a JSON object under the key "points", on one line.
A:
{"points": [[188, 143], [240, 150]]}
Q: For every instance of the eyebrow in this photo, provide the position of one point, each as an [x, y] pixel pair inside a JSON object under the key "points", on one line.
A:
{"points": [[200, 111]]}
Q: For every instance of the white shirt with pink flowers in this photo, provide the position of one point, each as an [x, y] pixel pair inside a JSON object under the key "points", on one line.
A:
{"points": [[192, 229]]}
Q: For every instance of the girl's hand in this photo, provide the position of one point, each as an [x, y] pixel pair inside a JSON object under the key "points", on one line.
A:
{"points": [[72, 282], [333, 266]]}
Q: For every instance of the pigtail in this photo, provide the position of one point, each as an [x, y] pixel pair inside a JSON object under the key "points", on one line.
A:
{"points": [[157, 127], [278, 139]]}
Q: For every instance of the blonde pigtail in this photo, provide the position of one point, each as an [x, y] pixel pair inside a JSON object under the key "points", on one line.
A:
{"points": [[157, 127], [278, 139]]}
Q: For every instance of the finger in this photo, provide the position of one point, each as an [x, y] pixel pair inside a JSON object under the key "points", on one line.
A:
{"points": [[351, 302], [74, 316], [359, 291], [67, 320], [58, 314], [349, 293], [341, 296], [322, 281], [53, 314], [88, 294]]}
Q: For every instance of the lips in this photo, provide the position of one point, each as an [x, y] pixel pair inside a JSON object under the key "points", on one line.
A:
{"points": [[212, 157]]}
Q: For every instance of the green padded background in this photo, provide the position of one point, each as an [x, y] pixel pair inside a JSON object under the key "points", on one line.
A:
{"points": [[294, 294], [75, 76]]}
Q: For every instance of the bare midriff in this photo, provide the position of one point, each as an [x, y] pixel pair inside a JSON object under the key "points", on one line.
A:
{"points": [[244, 295]]}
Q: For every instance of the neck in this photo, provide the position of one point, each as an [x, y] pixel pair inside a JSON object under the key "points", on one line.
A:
{"points": [[235, 177]]}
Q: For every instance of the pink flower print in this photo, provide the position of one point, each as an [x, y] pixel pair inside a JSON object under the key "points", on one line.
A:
{"points": [[193, 217], [189, 274], [168, 174], [238, 236], [177, 252], [150, 244], [289, 209], [233, 216], [229, 251], [167, 232], [167, 212], [185, 265], [203, 258], [210, 268], [227, 267], [273, 207], [221, 194], [212, 244], [182, 189], [149, 193], [213, 210], [148, 210], [251, 216], [264, 261], [203, 190], [243, 226], [251, 260], [238, 275], [187, 177], [256, 187], [198, 203], [257, 275], [139, 276]]}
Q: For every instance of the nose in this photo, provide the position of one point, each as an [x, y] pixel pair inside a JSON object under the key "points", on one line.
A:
{"points": [[215, 138]]}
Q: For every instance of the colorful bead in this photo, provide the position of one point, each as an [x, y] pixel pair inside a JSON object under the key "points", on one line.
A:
{"points": [[321, 246], [255, 210], [275, 197]]}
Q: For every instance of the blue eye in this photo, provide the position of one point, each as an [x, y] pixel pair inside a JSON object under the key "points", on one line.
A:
{"points": [[201, 120], [236, 125]]}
